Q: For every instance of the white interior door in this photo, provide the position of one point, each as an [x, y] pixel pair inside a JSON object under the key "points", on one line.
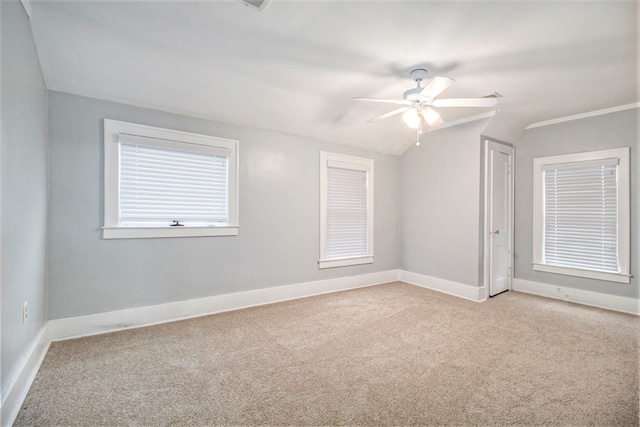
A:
{"points": [[499, 217]]}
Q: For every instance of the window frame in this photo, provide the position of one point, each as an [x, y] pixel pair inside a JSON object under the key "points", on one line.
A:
{"points": [[353, 163], [113, 229], [623, 219]]}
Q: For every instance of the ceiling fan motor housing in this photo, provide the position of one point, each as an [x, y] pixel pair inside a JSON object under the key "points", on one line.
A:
{"points": [[413, 94]]}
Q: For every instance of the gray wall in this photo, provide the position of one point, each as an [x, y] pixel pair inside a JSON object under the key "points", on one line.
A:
{"points": [[279, 217], [440, 216], [590, 134], [23, 177]]}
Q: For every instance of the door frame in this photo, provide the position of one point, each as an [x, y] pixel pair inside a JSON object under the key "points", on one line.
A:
{"points": [[509, 150]]}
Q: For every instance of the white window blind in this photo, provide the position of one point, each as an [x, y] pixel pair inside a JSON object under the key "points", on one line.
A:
{"points": [[154, 177], [346, 210], [347, 213], [160, 184], [581, 215]]}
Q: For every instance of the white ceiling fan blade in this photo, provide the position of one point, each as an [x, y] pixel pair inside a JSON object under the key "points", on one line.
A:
{"points": [[436, 86], [389, 114], [386, 101], [465, 102]]}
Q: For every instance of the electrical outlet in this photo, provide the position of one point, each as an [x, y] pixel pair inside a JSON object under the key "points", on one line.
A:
{"points": [[25, 312]]}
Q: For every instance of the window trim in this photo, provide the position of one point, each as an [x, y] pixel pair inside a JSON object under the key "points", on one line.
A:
{"points": [[354, 163], [113, 230], [623, 221]]}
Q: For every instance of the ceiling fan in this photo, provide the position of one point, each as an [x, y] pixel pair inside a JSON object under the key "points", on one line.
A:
{"points": [[418, 103]]}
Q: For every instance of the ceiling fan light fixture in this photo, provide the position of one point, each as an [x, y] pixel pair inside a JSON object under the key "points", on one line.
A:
{"points": [[414, 124], [412, 118]]}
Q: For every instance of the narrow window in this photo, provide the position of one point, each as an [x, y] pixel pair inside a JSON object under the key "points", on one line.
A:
{"points": [[582, 215], [346, 219]]}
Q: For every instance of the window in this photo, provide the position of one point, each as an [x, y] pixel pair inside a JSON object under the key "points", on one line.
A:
{"points": [[346, 210], [166, 183], [581, 218]]}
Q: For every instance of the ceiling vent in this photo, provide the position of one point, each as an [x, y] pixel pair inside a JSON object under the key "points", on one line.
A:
{"points": [[255, 4]]}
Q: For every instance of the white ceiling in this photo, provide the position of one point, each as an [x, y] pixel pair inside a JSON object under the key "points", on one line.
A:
{"points": [[294, 66]]}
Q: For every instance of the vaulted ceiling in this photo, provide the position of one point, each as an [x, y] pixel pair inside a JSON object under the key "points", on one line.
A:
{"points": [[295, 66]]}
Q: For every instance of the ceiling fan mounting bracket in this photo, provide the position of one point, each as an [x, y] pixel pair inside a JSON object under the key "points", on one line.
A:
{"points": [[418, 74], [415, 94]]}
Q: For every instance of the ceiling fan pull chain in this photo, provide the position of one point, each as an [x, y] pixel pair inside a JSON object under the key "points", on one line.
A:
{"points": [[419, 130]]}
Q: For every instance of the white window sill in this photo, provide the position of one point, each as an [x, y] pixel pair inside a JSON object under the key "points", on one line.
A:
{"points": [[331, 263], [159, 232], [590, 274]]}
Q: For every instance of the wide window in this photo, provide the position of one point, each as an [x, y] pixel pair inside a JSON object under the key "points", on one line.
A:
{"points": [[166, 183], [581, 224], [346, 216]]}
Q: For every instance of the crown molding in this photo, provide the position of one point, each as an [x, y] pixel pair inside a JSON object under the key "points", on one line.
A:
{"points": [[584, 115]]}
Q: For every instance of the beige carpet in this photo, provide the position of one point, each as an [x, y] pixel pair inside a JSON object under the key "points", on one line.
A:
{"points": [[391, 354]]}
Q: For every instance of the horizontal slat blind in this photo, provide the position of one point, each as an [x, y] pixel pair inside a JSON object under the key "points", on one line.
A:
{"points": [[347, 232], [580, 216], [159, 185]]}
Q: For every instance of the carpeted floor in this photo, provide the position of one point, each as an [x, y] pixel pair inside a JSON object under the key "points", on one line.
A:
{"points": [[392, 354]]}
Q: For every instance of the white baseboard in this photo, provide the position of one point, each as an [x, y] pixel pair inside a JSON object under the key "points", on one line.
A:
{"points": [[469, 292], [594, 299], [93, 324], [74, 327], [19, 385]]}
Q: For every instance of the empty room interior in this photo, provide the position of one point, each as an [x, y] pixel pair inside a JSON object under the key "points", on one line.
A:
{"points": [[288, 212]]}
